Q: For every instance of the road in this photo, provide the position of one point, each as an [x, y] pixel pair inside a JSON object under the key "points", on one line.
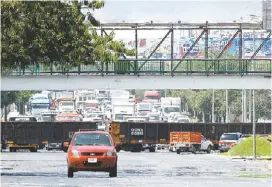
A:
{"points": [[134, 170]]}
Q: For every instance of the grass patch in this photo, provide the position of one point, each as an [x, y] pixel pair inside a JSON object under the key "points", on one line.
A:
{"points": [[245, 148], [256, 176]]}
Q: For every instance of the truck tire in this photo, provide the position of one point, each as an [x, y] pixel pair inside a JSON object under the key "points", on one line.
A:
{"points": [[209, 149], [178, 151], [12, 150], [152, 149], [33, 150]]}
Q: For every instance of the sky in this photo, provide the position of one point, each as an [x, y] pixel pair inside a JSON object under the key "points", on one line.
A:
{"points": [[183, 10], [197, 11]]}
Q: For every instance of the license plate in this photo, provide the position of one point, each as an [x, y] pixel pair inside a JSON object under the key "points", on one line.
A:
{"points": [[92, 160]]}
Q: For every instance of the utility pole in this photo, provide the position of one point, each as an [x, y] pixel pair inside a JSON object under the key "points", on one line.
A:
{"points": [[227, 106], [254, 125], [213, 106], [242, 106], [245, 106], [250, 106]]}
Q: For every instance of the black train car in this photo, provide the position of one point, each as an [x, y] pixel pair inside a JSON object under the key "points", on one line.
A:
{"points": [[34, 135], [136, 136]]}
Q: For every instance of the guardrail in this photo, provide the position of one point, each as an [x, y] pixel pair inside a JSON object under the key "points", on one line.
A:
{"points": [[155, 67]]}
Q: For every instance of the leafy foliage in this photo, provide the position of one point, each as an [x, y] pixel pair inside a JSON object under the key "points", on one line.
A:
{"points": [[263, 104], [53, 32], [9, 97]]}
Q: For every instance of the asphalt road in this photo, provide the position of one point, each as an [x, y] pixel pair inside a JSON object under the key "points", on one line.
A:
{"points": [[134, 169]]}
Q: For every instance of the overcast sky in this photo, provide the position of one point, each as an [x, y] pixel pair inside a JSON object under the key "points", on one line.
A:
{"points": [[197, 11], [183, 10]]}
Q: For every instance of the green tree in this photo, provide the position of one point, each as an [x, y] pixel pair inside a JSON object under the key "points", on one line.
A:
{"points": [[7, 98], [53, 33], [19, 97], [263, 104]]}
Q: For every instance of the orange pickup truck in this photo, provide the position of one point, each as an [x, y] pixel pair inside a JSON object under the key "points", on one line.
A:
{"points": [[189, 141]]}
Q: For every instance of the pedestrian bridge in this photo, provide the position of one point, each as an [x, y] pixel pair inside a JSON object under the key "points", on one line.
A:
{"points": [[144, 74]]}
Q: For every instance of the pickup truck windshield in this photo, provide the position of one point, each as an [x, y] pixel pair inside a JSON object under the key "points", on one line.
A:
{"points": [[229, 137], [94, 139]]}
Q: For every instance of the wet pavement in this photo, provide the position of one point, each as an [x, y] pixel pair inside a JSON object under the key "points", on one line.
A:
{"points": [[158, 169]]}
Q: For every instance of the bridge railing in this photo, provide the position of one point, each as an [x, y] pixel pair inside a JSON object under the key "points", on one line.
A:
{"points": [[156, 67]]}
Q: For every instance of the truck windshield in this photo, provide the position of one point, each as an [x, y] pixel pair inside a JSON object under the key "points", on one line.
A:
{"points": [[67, 104], [229, 137], [40, 106], [94, 139], [171, 109], [152, 97], [121, 116], [144, 107]]}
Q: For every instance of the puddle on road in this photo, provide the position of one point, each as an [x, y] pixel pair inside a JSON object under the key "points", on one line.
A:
{"points": [[6, 169], [256, 169], [139, 172], [193, 174], [30, 174], [185, 168]]}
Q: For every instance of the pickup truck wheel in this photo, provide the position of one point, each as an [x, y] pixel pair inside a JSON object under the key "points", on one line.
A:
{"points": [[70, 172], [113, 171], [209, 149]]}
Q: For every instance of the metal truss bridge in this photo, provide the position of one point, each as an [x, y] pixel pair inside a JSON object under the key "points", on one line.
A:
{"points": [[197, 73]]}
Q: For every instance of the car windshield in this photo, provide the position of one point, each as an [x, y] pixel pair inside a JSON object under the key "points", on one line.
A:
{"points": [[171, 109], [182, 120], [154, 117], [94, 139], [229, 137]]}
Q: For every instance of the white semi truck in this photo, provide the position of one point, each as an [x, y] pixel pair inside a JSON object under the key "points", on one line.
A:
{"points": [[170, 105]]}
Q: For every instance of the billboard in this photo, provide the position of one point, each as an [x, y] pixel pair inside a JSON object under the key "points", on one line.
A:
{"points": [[251, 41]]}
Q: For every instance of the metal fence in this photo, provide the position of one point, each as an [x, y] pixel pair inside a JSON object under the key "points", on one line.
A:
{"points": [[156, 67]]}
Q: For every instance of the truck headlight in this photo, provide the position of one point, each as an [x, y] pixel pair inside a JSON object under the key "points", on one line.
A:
{"points": [[111, 152], [75, 153]]}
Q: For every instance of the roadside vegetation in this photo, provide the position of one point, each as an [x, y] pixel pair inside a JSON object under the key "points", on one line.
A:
{"points": [[245, 148], [199, 103]]}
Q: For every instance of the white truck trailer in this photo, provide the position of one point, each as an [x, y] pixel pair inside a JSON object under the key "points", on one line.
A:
{"points": [[120, 110]]}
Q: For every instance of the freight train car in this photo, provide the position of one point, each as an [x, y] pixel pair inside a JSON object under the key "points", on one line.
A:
{"points": [[137, 136], [37, 135]]}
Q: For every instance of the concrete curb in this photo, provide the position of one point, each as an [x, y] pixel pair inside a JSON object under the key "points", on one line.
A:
{"points": [[251, 157]]}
